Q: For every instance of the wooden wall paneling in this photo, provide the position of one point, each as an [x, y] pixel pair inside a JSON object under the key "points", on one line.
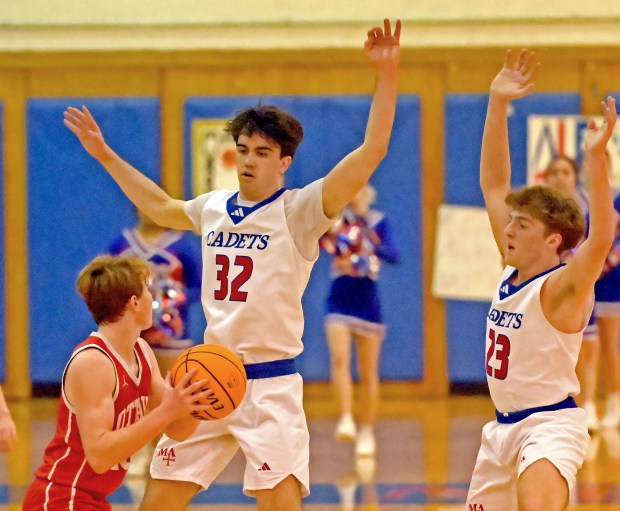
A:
{"points": [[600, 78], [13, 93], [558, 76], [176, 85], [94, 81], [429, 82]]}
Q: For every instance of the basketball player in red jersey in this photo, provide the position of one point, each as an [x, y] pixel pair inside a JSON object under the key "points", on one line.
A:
{"points": [[114, 400]]}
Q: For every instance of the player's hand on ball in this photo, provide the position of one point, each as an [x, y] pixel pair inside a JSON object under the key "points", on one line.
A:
{"points": [[186, 397]]}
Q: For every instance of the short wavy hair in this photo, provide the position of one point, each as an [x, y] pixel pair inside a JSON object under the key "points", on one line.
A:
{"points": [[271, 123], [108, 282], [559, 214]]}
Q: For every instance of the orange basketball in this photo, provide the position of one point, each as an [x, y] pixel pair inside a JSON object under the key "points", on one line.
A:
{"points": [[226, 374]]}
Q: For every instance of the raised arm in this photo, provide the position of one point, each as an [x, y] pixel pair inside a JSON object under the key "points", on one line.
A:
{"points": [[144, 193], [585, 266], [512, 82], [349, 176]]}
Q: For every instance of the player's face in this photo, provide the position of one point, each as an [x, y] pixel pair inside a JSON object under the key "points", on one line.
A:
{"points": [[145, 309], [260, 168], [561, 177], [525, 240]]}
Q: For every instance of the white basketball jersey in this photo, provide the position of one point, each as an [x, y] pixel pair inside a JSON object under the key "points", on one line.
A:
{"points": [[529, 363], [254, 275]]}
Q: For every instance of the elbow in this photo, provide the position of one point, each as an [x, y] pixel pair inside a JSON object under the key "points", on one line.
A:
{"points": [[98, 465], [375, 153], [102, 461]]}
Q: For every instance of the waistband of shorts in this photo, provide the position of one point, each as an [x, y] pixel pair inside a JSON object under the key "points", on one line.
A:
{"points": [[271, 369], [514, 417]]}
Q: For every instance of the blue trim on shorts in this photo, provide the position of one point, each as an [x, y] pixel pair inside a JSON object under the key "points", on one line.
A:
{"points": [[271, 369], [514, 417]]}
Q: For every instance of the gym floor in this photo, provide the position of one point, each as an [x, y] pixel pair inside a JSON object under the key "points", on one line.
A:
{"points": [[426, 449]]}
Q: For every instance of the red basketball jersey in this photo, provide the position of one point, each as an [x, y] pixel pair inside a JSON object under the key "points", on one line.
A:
{"points": [[68, 480]]}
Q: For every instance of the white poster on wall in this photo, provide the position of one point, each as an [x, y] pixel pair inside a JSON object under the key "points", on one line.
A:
{"points": [[467, 261]]}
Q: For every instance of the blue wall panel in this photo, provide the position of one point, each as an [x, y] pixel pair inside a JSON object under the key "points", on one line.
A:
{"points": [[334, 126], [75, 210], [464, 122]]}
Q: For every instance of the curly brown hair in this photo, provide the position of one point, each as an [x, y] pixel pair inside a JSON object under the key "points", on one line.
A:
{"points": [[271, 123], [559, 214], [108, 282]]}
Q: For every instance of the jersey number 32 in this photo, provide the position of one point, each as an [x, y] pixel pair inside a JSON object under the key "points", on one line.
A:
{"points": [[242, 271]]}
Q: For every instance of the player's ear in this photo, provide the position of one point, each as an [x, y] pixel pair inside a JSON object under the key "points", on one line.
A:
{"points": [[134, 301], [285, 163], [554, 240]]}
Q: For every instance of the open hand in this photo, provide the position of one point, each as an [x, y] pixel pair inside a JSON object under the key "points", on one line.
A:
{"points": [[516, 80], [85, 128], [596, 138]]}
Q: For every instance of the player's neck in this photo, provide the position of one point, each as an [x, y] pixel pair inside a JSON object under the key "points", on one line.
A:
{"points": [[532, 270], [251, 194], [123, 336]]}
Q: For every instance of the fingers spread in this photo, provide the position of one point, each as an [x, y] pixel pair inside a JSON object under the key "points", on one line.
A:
{"points": [[186, 379]]}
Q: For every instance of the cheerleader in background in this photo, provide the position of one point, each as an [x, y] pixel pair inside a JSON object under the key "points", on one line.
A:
{"points": [[358, 242]]}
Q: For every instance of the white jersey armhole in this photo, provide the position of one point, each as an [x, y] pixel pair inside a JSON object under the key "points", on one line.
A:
{"points": [[64, 373]]}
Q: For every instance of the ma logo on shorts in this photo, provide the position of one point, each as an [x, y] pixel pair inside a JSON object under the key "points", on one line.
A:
{"points": [[167, 455]]}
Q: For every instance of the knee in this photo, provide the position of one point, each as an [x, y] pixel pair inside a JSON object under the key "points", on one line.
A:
{"points": [[532, 503], [538, 502], [340, 363], [369, 377]]}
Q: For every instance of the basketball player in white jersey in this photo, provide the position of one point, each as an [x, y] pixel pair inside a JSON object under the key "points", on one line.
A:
{"points": [[259, 246], [529, 456]]}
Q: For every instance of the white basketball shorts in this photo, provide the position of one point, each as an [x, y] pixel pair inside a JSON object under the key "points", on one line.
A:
{"points": [[269, 426], [508, 449]]}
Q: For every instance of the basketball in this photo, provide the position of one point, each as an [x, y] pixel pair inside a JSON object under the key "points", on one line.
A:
{"points": [[226, 374]]}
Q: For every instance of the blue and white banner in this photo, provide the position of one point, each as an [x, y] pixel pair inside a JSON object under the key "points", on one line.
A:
{"points": [[549, 136]]}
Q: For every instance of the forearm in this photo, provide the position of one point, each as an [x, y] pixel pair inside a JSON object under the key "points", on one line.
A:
{"points": [[142, 191], [349, 176], [386, 249], [381, 115], [116, 446], [601, 210], [495, 152]]}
